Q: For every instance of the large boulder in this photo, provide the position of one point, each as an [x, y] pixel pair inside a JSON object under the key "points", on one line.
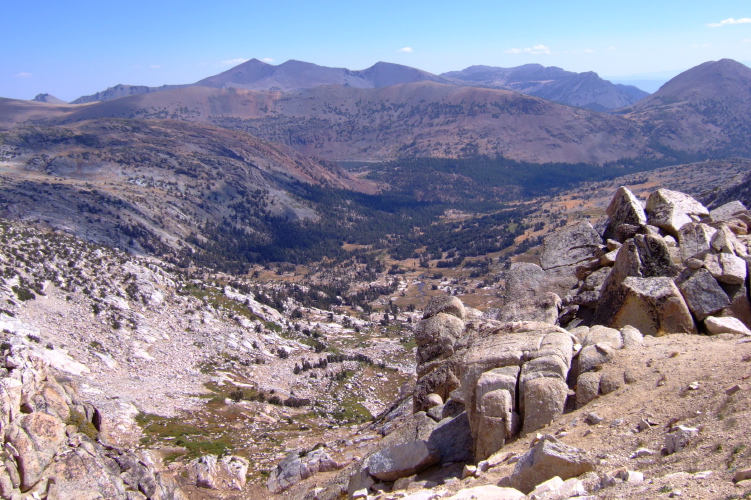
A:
{"points": [[727, 211], [624, 209], [644, 256], [452, 437], [447, 304], [549, 458], [402, 460], [694, 238], [726, 268], [436, 335], [570, 246], [297, 467], [671, 210], [654, 306], [703, 295]]}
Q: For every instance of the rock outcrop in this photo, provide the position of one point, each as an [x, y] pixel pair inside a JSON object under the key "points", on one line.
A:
{"points": [[50, 436]]}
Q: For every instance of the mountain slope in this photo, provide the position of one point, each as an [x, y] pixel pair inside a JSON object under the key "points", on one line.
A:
{"points": [[702, 110], [584, 90], [415, 119], [158, 186]]}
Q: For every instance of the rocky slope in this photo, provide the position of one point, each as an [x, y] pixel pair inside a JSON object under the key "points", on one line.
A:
{"points": [[585, 90], [641, 292]]}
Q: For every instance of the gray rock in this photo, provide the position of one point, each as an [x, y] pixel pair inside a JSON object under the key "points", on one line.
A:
{"points": [[524, 280], [592, 356], [611, 381], [724, 241], [726, 268], [740, 306], [360, 480], [624, 208], [570, 246], [435, 336], [632, 338], [296, 468], [702, 293], [587, 388], [671, 210], [497, 422], [694, 239], [447, 304], [678, 438], [545, 461], [644, 256], [603, 335], [727, 211], [543, 308], [402, 460], [452, 437]]}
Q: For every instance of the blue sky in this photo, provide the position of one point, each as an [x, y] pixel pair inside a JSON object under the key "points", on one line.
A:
{"points": [[74, 48]]}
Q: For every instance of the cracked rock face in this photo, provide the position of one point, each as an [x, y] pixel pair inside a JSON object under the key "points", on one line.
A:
{"points": [[508, 377]]}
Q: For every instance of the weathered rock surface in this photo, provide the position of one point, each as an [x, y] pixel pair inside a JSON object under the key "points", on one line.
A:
{"points": [[226, 473], [625, 208], [296, 468], [402, 460], [66, 462], [570, 246], [654, 306], [489, 492], [671, 210], [546, 460], [716, 326], [702, 293]]}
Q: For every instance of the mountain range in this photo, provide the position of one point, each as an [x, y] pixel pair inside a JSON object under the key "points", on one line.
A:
{"points": [[585, 90]]}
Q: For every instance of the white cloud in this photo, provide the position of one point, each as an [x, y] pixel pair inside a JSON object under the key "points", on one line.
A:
{"points": [[537, 49], [233, 62], [746, 40], [154, 66], [612, 48], [23, 75], [700, 45], [589, 51], [267, 60], [730, 20], [406, 49]]}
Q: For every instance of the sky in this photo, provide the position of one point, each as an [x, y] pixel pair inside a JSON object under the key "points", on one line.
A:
{"points": [[79, 47]]}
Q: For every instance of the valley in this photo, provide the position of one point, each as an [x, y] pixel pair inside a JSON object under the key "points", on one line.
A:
{"points": [[292, 269]]}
